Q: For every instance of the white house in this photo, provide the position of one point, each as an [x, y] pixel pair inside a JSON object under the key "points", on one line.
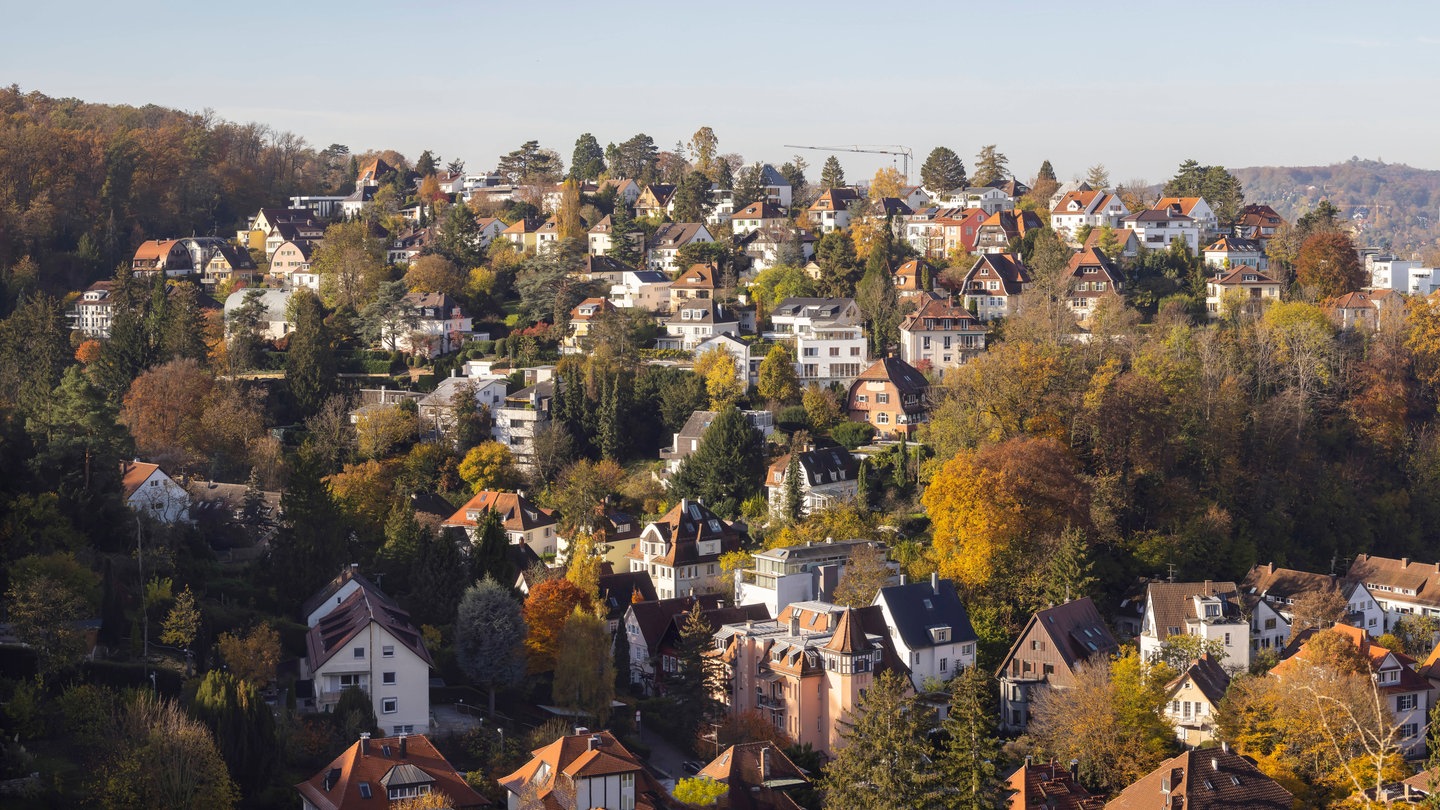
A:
{"points": [[274, 304], [1402, 587], [1245, 289], [1194, 698], [1210, 610], [747, 363], [367, 641], [696, 321], [1197, 209], [994, 285], [525, 413], [831, 212], [987, 198], [776, 188], [642, 289], [662, 248], [756, 216], [1231, 252], [828, 476], [94, 311], [148, 490], [929, 627], [779, 577], [940, 334], [1406, 276], [525, 522], [1157, 227], [825, 337], [682, 550], [438, 407], [1077, 209], [440, 327]]}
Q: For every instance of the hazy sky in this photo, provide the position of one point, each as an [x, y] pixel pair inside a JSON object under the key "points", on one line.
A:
{"points": [[1137, 86]]}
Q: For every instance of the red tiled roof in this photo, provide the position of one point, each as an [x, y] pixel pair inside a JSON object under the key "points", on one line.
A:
{"points": [[134, 474], [338, 786], [517, 513], [582, 756], [1208, 779]]}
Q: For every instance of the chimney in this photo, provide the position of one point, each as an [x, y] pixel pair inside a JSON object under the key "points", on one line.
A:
{"points": [[593, 743], [902, 579], [364, 743], [935, 582], [1272, 567], [765, 762], [1075, 771], [1207, 587], [1404, 562], [402, 746], [795, 623], [1215, 764], [1029, 760], [1225, 746], [581, 731]]}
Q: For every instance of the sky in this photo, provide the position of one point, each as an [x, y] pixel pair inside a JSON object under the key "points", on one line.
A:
{"points": [[1138, 87]]}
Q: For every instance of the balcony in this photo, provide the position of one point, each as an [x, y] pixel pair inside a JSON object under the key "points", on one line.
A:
{"points": [[768, 702]]}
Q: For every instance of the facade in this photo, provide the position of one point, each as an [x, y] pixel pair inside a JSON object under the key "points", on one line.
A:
{"points": [[890, 395], [582, 317], [1208, 779], [654, 201], [525, 413], [831, 212], [781, 576], [646, 625], [698, 282], [376, 774], [1402, 587], [1076, 209], [94, 311], [642, 289], [681, 550], [987, 198], [1231, 252], [291, 257], [1048, 655], [440, 327], [993, 287], [589, 770], [1157, 227], [806, 670], [1389, 273], [775, 187], [825, 337], [1194, 699], [437, 408], [662, 248], [1244, 291], [1094, 279], [687, 441], [525, 522], [914, 280], [1211, 610], [1002, 228], [368, 642], [1197, 209], [929, 628], [1367, 310], [697, 321], [149, 491], [827, 476], [940, 335], [1258, 222], [757, 216]]}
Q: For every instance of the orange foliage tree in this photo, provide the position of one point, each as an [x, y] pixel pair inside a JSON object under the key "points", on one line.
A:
{"points": [[546, 609]]}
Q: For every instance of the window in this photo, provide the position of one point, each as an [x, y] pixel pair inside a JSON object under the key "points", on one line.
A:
{"points": [[359, 652], [1269, 624], [944, 664], [387, 651], [882, 399], [1409, 730], [387, 678], [389, 705], [408, 728], [347, 681], [882, 418], [1405, 703], [627, 791]]}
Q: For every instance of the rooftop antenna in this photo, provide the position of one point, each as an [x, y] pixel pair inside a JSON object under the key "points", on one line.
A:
{"points": [[1171, 566]]}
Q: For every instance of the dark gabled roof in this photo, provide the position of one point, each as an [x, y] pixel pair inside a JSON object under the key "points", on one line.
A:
{"points": [[712, 312], [597, 265], [820, 466], [617, 591], [1209, 779], [824, 308], [654, 617], [756, 773], [714, 618], [333, 587], [1075, 629], [1005, 267], [1284, 583], [1208, 676], [353, 615], [943, 314], [916, 607], [905, 377], [1420, 579], [770, 177]]}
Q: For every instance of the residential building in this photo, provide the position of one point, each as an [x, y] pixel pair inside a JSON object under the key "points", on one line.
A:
{"points": [[1231, 252], [437, 408], [274, 307], [806, 670], [1077, 209], [1157, 227], [775, 187], [1121, 243], [756, 776], [914, 280], [767, 246], [1094, 279], [1194, 700], [585, 769], [266, 221], [440, 326], [149, 491], [831, 212], [828, 476], [1244, 292], [757, 216], [1369, 310], [687, 441], [1258, 222], [582, 317], [825, 337], [380, 773], [523, 234], [168, 256], [336, 591], [1197, 209], [603, 269], [646, 624], [655, 201], [941, 335], [619, 591], [94, 310], [959, 230], [1210, 610], [525, 413], [309, 230], [1049, 653], [1204, 779], [524, 521], [682, 550], [291, 257], [662, 248], [1269, 594], [989, 199], [698, 282], [1051, 786], [625, 189], [747, 355], [994, 284], [1402, 587], [929, 628], [781, 576], [1002, 228], [1405, 276], [697, 321], [642, 289], [890, 395], [369, 643]]}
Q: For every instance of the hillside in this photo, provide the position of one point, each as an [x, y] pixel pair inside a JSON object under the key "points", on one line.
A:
{"points": [[1392, 204]]}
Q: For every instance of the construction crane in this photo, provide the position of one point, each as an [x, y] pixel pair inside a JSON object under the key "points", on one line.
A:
{"points": [[884, 149]]}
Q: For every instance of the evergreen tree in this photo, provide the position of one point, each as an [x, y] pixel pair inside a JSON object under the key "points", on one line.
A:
{"points": [[439, 577], [1068, 572], [831, 175], [427, 164], [310, 547], [622, 661], [588, 159], [490, 637], [79, 443], [725, 470], [310, 360], [1189, 180], [244, 728], [403, 535], [184, 329], [34, 352], [875, 295], [698, 677], [991, 166], [458, 237], [942, 171], [692, 198], [610, 436], [794, 173], [132, 347], [1047, 172], [886, 760], [862, 484], [793, 503], [243, 341], [748, 188], [490, 556], [972, 748], [623, 248], [839, 267]]}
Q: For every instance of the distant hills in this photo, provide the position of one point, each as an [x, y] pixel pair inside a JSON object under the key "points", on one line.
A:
{"points": [[1391, 205]]}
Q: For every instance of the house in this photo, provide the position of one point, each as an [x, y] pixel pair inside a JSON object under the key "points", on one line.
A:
{"points": [[168, 256], [831, 212], [655, 201], [766, 247], [698, 282], [1049, 653], [682, 550], [369, 643], [266, 222], [1121, 243], [775, 187], [1241, 292], [585, 769], [440, 326], [642, 289], [747, 356], [1197, 209], [756, 216], [1051, 786], [1211, 610], [1204, 779], [914, 280], [1407, 693], [149, 491], [274, 304], [646, 624], [890, 395], [94, 310], [1002, 228], [941, 334], [994, 284], [756, 775], [523, 234], [525, 522], [1078, 209], [1370, 310], [1258, 222], [662, 248], [1389, 273], [407, 245], [781, 576], [1194, 699], [619, 591], [291, 257], [525, 413], [378, 774], [697, 321], [929, 628], [687, 441], [297, 230], [437, 408], [828, 476], [668, 653], [987, 198], [1231, 252], [582, 318], [1402, 587], [806, 670], [949, 231], [891, 208], [825, 336], [600, 238], [1157, 227], [1094, 279], [324, 601], [1269, 594]]}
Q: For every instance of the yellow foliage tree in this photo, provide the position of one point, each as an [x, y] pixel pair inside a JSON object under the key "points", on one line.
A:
{"points": [[488, 465], [975, 517], [887, 182], [722, 377]]}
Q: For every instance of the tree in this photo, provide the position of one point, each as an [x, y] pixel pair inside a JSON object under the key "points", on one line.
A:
{"points": [[793, 504], [692, 198], [887, 182], [445, 571], [636, 159], [48, 596], [702, 791], [183, 334], [698, 677], [704, 149], [161, 757], [839, 267], [530, 165], [568, 223], [243, 725], [427, 164], [722, 377], [1329, 265], [587, 162], [488, 465], [163, 409], [725, 470], [34, 344], [310, 366], [182, 623], [991, 166], [1180, 649], [942, 171], [886, 760], [390, 317], [79, 442], [381, 430], [1318, 609], [1097, 176], [457, 240], [822, 409], [584, 670], [831, 175], [434, 273], [490, 637], [351, 264], [252, 657], [748, 186], [311, 542], [778, 381], [875, 295], [972, 749], [1068, 571], [866, 572], [547, 607]]}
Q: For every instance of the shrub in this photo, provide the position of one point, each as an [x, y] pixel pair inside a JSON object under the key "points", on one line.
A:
{"points": [[852, 434], [792, 418]]}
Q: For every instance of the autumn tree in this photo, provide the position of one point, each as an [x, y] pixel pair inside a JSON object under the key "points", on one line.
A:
{"points": [[163, 409], [1320, 609], [434, 273], [252, 657], [490, 637], [47, 598], [887, 182], [886, 760], [1329, 265], [778, 382], [942, 171], [866, 572], [182, 623], [718, 369], [488, 465], [351, 264], [161, 757], [547, 607], [584, 669], [568, 224]]}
